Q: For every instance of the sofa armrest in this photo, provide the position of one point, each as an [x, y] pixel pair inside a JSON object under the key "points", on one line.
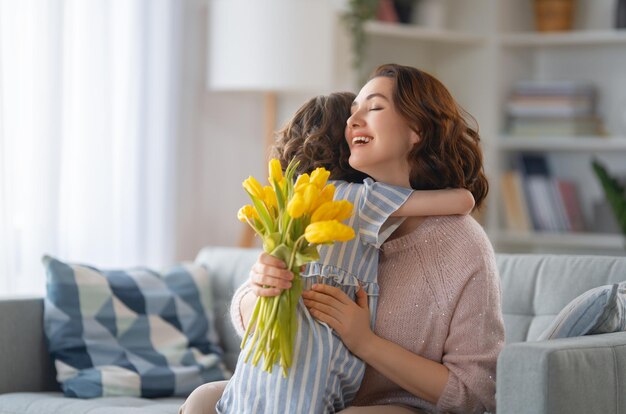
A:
{"points": [[24, 361], [571, 375]]}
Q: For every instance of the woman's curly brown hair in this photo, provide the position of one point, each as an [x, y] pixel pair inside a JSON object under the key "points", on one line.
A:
{"points": [[448, 154], [314, 136]]}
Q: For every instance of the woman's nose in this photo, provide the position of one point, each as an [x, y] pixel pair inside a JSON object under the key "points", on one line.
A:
{"points": [[354, 120]]}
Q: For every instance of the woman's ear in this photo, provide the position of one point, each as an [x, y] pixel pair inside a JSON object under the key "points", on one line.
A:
{"points": [[415, 137]]}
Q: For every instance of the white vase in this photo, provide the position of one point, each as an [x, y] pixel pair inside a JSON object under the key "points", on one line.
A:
{"points": [[431, 13]]}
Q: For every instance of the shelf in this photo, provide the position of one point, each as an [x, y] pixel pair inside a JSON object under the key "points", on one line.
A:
{"points": [[564, 144], [486, 48], [413, 32], [573, 38], [597, 241]]}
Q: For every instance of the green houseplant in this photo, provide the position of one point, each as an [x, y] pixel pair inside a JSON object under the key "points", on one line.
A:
{"points": [[614, 192], [359, 11]]}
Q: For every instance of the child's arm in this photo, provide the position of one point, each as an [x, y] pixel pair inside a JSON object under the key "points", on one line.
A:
{"points": [[437, 203]]}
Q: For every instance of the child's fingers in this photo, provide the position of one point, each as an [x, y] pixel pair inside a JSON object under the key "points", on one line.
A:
{"points": [[332, 292], [361, 298]]}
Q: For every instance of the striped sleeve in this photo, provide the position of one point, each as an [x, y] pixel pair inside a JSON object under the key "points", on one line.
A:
{"points": [[379, 201]]}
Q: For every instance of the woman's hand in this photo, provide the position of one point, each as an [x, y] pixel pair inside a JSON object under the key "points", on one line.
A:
{"points": [[349, 319], [269, 276]]}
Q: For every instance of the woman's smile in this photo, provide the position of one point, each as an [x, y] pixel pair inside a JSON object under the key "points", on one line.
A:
{"points": [[361, 140]]}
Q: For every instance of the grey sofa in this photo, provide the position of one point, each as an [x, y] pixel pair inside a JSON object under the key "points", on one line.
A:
{"points": [[577, 375]]}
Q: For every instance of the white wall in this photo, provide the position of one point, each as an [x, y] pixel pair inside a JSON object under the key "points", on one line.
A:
{"points": [[221, 142]]}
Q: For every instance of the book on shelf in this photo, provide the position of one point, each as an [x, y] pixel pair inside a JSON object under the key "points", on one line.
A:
{"points": [[542, 203], [552, 203], [561, 87], [554, 108], [549, 126], [571, 202], [515, 204], [549, 107], [532, 164]]}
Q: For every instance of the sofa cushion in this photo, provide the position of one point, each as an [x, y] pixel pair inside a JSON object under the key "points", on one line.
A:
{"points": [[535, 288], [598, 310], [54, 402], [130, 332], [229, 268]]}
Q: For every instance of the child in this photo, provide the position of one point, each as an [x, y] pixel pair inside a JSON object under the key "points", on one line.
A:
{"points": [[325, 375]]}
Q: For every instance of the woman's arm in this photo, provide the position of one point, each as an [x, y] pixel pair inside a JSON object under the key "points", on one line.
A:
{"points": [[437, 203], [416, 374], [268, 277], [465, 379]]}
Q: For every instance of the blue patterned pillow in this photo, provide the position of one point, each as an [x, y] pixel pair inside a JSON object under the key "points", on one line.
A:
{"points": [[598, 310], [130, 332]]}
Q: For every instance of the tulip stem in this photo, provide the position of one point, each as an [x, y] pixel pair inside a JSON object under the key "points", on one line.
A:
{"points": [[295, 249], [286, 232]]}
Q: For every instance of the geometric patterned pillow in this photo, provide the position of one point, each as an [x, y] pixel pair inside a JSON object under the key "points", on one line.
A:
{"points": [[596, 311], [130, 332]]}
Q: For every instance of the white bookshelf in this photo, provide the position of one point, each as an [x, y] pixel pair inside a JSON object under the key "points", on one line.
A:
{"points": [[416, 33], [579, 38], [485, 47], [562, 144], [598, 241]]}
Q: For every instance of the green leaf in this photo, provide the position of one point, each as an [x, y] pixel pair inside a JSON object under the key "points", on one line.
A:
{"points": [[282, 252], [614, 192], [306, 255], [280, 197], [354, 20], [263, 214], [271, 241]]}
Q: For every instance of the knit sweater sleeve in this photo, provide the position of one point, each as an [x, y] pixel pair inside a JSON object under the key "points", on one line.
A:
{"points": [[235, 308], [476, 336]]}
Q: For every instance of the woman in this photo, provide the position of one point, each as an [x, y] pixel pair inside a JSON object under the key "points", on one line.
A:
{"points": [[438, 328]]}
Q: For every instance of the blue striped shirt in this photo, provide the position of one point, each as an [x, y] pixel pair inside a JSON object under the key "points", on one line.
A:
{"points": [[325, 375]]}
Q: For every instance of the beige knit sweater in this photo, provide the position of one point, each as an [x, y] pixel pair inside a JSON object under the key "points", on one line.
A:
{"points": [[439, 298]]}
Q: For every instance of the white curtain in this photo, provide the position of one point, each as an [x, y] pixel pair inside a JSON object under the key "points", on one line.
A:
{"points": [[88, 114]]}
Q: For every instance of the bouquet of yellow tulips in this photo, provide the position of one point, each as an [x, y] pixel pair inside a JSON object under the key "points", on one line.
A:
{"points": [[292, 218]]}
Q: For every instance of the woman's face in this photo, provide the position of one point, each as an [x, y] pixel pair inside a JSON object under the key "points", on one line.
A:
{"points": [[378, 137]]}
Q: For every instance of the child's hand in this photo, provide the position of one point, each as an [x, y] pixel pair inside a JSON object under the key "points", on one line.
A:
{"points": [[269, 276], [331, 305]]}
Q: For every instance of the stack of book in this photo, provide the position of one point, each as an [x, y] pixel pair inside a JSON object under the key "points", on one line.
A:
{"points": [[535, 200], [553, 108]]}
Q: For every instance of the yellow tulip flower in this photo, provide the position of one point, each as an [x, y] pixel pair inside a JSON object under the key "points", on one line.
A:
{"points": [[319, 177], [296, 207], [247, 213], [310, 194], [301, 182], [254, 187], [332, 210], [328, 231], [327, 194], [276, 172], [269, 197], [280, 213]]}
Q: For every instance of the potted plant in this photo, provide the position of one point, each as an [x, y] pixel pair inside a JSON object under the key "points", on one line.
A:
{"points": [[614, 192], [359, 11]]}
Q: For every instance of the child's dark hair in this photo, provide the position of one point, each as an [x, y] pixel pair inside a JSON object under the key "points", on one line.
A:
{"points": [[315, 137]]}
